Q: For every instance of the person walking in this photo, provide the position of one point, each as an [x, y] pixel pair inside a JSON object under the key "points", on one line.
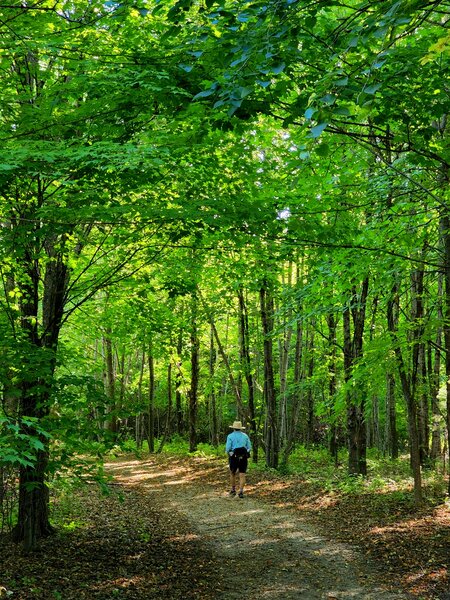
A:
{"points": [[238, 448]]}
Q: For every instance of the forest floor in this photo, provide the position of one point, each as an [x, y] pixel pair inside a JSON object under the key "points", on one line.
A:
{"points": [[170, 531]]}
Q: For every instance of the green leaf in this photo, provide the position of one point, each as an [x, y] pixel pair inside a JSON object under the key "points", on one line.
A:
{"points": [[328, 99], [205, 93], [322, 150], [278, 68], [371, 89], [318, 129]]}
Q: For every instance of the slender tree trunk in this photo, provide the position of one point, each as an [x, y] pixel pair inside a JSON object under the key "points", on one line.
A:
{"points": [[284, 351], [244, 340], [353, 346], [297, 394], [309, 404], [178, 383], [240, 409], [418, 366], [138, 433], [332, 385], [151, 399], [110, 379], [407, 384], [445, 235], [213, 407], [195, 372], [434, 370], [167, 428], [391, 434], [271, 432]]}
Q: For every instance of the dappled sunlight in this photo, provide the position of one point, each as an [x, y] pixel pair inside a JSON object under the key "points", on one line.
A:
{"points": [[187, 537], [252, 511], [284, 525], [263, 541]]}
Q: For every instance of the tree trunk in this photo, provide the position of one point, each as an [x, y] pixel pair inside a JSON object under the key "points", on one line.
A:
{"points": [[309, 404], [271, 426], [407, 384], [33, 512], [213, 407], [353, 345], [244, 341], [445, 235], [240, 410], [178, 383], [391, 435], [434, 372], [332, 385], [167, 427], [110, 379], [151, 400], [297, 394], [195, 372], [139, 429]]}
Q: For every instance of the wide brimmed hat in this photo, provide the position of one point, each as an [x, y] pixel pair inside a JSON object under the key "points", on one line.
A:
{"points": [[237, 425]]}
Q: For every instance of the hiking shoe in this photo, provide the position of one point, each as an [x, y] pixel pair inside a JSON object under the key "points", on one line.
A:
{"points": [[241, 494], [232, 493]]}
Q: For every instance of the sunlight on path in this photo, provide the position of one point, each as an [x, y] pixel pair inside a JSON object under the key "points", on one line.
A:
{"points": [[269, 553]]}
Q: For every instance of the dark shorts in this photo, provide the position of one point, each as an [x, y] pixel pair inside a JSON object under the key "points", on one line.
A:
{"points": [[238, 464]]}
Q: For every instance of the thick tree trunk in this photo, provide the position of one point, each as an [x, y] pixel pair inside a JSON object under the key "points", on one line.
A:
{"points": [[271, 428], [33, 513]]}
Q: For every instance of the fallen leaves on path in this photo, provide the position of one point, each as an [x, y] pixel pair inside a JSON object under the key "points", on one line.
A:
{"points": [[133, 550], [122, 548]]}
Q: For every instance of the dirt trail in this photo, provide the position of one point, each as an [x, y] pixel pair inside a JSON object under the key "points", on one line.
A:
{"points": [[262, 551]]}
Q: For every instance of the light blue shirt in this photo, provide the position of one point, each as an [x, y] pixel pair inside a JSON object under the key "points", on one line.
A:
{"points": [[237, 439]]}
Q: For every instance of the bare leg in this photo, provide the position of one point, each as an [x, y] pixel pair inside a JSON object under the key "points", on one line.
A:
{"points": [[233, 480], [241, 481]]}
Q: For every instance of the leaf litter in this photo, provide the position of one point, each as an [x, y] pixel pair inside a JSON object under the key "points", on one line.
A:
{"points": [[172, 532]]}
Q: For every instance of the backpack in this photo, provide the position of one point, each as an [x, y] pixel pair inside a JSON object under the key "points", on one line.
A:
{"points": [[240, 452]]}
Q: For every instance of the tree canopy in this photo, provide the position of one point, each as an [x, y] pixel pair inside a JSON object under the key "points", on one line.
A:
{"points": [[217, 210]]}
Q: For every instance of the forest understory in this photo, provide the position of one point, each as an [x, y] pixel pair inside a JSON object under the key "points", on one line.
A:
{"points": [[169, 530]]}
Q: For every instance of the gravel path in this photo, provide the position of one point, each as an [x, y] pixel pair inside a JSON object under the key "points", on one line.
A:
{"points": [[262, 551]]}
